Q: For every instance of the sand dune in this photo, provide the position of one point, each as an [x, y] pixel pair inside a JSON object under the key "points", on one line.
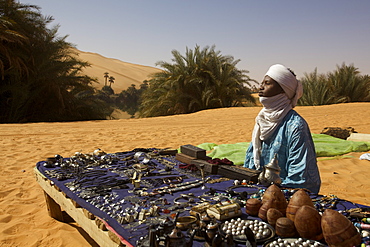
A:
{"points": [[24, 220], [124, 73]]}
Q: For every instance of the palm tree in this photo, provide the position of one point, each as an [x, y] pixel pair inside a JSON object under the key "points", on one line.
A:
{"points": [[317, 90], [111, 80], [340, 86], [17, 33], [349, 85], [202, 79], [46, 85], [106, 76], [9, 36], [129, 100]]}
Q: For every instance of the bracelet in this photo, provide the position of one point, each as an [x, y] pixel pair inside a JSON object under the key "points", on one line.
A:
{"points": [[141, 157], [188, 197], [231, 191]]}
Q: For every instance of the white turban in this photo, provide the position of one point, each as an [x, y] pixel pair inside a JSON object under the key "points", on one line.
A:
{"points": [[287, 80]]}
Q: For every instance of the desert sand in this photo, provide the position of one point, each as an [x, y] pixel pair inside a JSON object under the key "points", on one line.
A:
{"points": [[124, 73], [24, 220]]}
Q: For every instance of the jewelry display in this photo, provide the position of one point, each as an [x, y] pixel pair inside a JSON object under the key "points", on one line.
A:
{"points": [[142, 193]]}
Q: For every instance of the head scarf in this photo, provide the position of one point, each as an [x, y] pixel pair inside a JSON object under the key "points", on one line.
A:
{"points": [[287, 80], [275, 108]]}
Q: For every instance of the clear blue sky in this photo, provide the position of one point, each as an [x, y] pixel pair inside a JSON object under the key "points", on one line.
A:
{"points": [[302, 35]]}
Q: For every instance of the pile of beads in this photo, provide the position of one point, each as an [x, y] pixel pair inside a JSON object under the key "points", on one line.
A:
{"points": [[299, 242], [236, 227]]}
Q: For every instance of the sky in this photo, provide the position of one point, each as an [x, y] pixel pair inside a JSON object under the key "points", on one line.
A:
{"points": [[302, 35]]}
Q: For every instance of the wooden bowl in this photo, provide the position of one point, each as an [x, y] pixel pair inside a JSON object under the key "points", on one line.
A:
{"points": [[185, 222]]}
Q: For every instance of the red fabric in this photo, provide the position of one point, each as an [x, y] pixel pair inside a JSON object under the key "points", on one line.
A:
{"points": [[218, 161], [122, 239], [190, 167]]}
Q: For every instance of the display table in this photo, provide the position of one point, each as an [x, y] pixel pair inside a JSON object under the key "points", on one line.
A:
{"points": [[118, 199], [57, 202]]}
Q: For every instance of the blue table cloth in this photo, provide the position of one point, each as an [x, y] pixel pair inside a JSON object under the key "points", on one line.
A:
{"points": [[106, 190]]}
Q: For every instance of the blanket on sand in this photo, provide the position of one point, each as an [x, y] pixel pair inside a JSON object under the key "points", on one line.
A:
{"points": [[325, 145]]}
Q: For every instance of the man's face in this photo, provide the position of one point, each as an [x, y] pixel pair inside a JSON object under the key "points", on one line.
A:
{"points": [[269, 87]]}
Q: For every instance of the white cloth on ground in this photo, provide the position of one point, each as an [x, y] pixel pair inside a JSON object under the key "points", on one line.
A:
{"points": [[365, 156]]}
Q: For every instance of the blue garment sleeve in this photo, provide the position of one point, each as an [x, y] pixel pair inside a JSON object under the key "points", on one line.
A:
{"points": [[301, 165]]}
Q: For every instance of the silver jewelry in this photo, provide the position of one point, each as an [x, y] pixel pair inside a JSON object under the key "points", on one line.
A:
{"points": [[141, 157], [188, 197]]}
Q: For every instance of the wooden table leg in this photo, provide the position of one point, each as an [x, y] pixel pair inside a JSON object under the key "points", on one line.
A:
{"points": [[54, 209], [64, 209]]}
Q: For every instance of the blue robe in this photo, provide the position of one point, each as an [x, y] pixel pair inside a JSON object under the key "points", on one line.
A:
{"points": [[292, 141]]}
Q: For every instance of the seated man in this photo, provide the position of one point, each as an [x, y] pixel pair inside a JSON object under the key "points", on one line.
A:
{"points": [[281, 130]]}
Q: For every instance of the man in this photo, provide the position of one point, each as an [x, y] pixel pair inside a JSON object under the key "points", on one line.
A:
{"points": [[281, 130]]}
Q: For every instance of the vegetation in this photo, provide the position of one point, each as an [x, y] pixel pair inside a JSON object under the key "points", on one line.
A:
{"points": [[106, 76], [111, 80], [41, 77], [107, 90], [129, 100], [316, 90], [202, 79], [341, 86], [348, 85]]}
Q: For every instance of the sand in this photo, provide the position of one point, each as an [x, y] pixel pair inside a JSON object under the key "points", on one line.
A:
{"points": [[125, 73], [24, 220]]}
